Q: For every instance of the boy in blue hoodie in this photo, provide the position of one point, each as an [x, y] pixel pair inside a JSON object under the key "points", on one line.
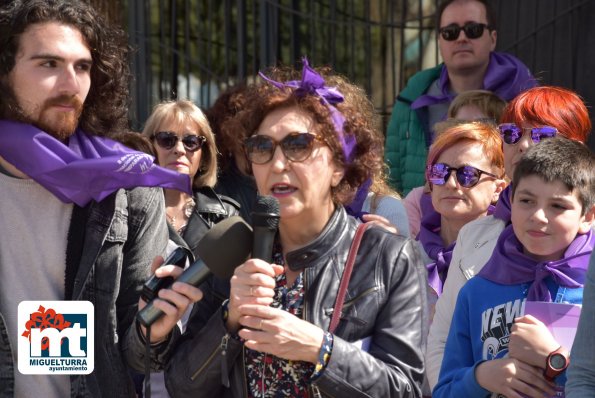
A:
{"points": [[492, 347]]}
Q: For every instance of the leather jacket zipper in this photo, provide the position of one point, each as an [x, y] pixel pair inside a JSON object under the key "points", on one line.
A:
{"points": [[314, 390], [209, 359], [224, 369], [349, 303]]}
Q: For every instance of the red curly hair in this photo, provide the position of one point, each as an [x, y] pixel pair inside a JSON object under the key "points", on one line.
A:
{"points": [[361, 121], [551, 106]]}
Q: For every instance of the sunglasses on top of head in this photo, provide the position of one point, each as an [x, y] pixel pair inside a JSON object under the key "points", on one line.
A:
{"points": [[473, 30], [296, 147], [169, 139], [512, 134], [467, 176]]}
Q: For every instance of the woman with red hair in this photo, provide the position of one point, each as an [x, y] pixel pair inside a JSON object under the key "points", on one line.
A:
{"points": [[536, 114], [465, 171]]}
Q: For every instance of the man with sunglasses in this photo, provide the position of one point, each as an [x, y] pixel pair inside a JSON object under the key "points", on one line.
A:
{"points": [[467, 39]]}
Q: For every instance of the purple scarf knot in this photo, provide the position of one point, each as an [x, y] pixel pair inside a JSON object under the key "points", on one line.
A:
{"points": [[88, 168], [506, 76], [313, 83], [508, 265]]}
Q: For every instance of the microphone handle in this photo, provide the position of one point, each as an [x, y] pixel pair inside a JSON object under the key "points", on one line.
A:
{"points": [[262, 246], [196, 274]]}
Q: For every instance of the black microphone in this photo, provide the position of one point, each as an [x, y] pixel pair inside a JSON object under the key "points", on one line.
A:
{"points": [[265, 222], [220, 251]]}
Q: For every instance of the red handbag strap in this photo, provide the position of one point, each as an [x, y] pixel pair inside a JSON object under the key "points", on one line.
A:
{"points": [[339, 301]]}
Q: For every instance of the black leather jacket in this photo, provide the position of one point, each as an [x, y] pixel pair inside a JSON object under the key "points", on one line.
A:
{"points": [[210, 209], [386, 301]]}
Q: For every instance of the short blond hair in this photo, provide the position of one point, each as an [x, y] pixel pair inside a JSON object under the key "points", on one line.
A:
{"points": [[181, 112], [486, 101]]}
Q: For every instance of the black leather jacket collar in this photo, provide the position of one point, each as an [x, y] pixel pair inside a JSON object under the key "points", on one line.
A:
{"points": [[329, 239], [209, 210]]}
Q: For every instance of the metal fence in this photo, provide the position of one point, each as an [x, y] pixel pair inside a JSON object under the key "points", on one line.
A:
{"points": [[197, 48]]}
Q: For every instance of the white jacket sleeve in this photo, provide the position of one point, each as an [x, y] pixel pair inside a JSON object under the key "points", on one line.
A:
{"points": [[475, 243]]}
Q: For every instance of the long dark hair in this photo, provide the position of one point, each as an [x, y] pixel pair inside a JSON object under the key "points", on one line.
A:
{"points": [[105, 109]]}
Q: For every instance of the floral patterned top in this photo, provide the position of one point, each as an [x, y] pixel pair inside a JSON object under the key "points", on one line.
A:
{"points": [[270, 376]]}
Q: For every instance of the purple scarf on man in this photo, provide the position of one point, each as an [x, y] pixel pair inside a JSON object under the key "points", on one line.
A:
{"points": [[429, 236], [510, 266], [88, 168], [506, 76]]}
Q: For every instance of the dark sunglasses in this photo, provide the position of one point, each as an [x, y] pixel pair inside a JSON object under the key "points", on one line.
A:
{"points": [[512, 134], [473, 30], [296, 147], [467, 176], [169, 139]]}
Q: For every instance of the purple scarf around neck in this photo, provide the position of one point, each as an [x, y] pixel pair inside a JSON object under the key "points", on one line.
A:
{"points": [[510, 266], [429, 236], [88, 168], [506, 76], [503, 207]]}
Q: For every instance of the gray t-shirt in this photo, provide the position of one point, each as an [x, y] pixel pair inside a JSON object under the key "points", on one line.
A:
{"points": [[32, 265]]}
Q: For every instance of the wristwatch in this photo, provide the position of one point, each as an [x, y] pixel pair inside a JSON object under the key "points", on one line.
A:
{"points": [[556, 363]]}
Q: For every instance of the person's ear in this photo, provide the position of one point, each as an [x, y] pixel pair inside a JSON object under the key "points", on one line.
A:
{"points": [[494, 38], [500, 185], [588, 221], [337, 176]]}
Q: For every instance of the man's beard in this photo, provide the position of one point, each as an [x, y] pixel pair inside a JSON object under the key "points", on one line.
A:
{"points": [[60, 127]]}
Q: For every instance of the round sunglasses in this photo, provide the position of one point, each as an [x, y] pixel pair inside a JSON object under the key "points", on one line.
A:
{"points": [[512, 134], [296, 147], [467, 176], [473, 30], [169, 139]]}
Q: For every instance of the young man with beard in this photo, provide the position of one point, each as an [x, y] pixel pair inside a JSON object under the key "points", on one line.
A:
{"points": [[74, 225], [467, 39]]}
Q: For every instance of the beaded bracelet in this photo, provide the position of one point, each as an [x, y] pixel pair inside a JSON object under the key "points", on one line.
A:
{"points": [[324, 356]]}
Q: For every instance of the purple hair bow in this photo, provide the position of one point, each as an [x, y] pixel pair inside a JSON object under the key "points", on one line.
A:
{"points": [[313, 84]]}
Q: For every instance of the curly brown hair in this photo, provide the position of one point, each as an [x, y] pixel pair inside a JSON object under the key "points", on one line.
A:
{"points": [[361, 121], [105, 109]]}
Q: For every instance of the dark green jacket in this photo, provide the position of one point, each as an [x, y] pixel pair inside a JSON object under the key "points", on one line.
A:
{"points": [[406, 146]]}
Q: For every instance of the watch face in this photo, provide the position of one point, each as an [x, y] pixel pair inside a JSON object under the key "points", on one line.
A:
{"points": [[557, 361]]}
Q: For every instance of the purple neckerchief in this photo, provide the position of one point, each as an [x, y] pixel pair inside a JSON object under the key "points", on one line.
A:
{"points": [[506, 76], [429, 236], [355, 207], [503, 206], [508, 265], [313, 84], [89, 168]]}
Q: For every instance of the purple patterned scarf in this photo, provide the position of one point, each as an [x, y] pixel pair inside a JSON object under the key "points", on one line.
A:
{"points": [[88, 168], [510, 266], [506, 76]]}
